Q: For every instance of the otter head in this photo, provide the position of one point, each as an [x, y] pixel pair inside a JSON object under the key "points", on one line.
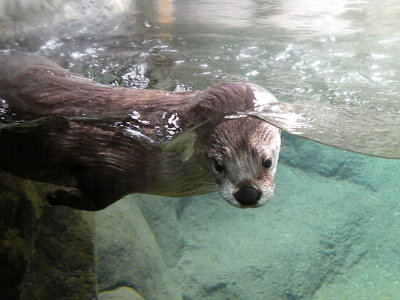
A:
{"points": [[243, 159]]}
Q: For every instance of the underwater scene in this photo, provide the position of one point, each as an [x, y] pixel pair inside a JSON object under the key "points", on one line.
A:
{"points": [[331, 229]]}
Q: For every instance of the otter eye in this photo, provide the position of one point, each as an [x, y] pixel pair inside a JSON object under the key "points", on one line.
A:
{"points": [[267, 163], [218, 167]]}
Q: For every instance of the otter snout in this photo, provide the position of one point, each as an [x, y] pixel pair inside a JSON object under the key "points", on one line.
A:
{"points": [[247, 195]]}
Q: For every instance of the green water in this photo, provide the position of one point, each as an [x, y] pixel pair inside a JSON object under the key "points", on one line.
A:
{"points": [[331, 231]]}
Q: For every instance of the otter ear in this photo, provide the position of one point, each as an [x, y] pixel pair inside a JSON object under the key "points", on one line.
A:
{"points": [[182, 145]]}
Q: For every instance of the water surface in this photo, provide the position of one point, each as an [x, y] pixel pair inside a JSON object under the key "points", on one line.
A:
{"points": [[336, 61]]}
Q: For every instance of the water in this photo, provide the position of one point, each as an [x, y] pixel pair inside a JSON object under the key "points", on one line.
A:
{"points": [[336, 62]]}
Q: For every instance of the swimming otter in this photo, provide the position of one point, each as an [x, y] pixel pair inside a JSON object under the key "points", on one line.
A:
{"points": [[104, 142]]}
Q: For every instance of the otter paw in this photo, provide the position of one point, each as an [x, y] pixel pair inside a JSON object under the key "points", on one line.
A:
{"points": [[71, 198]]}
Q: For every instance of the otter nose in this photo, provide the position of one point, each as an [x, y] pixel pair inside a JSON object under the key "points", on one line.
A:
{"points": [[247, 195]]}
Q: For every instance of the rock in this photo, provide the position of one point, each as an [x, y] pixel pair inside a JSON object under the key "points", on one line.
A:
{"points": [[161, 216], [301, 153], [62, 265], [121, 293], [19, 214], [128, 254], [331, 162], [39, 246]]}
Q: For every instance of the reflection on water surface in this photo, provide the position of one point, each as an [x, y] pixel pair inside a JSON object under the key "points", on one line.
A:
{"points": [[339, 55]]}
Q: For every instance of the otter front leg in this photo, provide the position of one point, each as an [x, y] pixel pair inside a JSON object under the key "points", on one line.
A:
{"points": [[71, 198], [75, 198]]}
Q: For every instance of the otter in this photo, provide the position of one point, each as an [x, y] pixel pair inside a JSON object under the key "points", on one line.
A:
{"points": [[98, 143]]}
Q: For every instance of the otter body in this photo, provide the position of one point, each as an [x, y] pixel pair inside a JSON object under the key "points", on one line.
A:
{"points": [[105, 142]]}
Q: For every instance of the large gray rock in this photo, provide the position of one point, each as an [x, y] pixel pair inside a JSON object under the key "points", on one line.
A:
{"points": [[121, 293], [161, 215], [128, 253]]}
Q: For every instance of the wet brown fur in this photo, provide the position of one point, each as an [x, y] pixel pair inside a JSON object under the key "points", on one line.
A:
{"points": [[101, 163]]}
